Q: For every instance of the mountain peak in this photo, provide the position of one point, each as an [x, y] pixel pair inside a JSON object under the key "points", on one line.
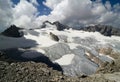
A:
{"points": [[13, 31], [58, 25]]}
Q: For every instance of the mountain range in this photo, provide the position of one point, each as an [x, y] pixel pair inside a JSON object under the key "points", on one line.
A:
{"points": [[74, 52]]}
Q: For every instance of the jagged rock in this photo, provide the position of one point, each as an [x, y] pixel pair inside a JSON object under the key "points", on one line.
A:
{"points": [[13, 31], [58, 25], [54, 37], [103, 29]]}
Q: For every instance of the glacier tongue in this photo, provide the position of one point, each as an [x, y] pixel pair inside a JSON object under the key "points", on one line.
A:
{"points": [[77, 52]]}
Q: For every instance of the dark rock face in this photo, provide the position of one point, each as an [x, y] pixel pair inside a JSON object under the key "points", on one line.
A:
{"points": [[105, 30], [59, 26], [13, 31], [54, 37]]}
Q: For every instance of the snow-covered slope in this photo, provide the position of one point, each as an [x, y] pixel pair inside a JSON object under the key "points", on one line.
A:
{"points": [[76, 51]]}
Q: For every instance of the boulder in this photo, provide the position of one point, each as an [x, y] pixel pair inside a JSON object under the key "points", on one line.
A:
{"points": [[54, 37]]}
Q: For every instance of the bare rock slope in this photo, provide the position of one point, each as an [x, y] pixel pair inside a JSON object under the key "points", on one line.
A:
{"points": [[14, 71]]}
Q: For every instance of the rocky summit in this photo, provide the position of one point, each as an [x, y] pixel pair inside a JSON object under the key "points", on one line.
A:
{"points": [[59, 26], [13, 31]]}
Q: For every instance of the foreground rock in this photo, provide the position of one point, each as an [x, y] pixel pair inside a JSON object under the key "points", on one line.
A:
{"points": [[13, 31], [14, 71]]}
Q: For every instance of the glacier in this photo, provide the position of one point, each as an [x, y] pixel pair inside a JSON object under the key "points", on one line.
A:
{"points": [[76, 51]]}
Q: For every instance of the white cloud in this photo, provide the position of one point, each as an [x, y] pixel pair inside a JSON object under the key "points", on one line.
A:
{"points": [[5, 14], [25, 13], [52, 3], [34, 2], [108, 5], [71, 12], [79, 12]]}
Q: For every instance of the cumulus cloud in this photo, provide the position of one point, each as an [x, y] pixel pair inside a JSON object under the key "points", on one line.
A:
{"points": [[5, 14], [52, 3], [25, 14], [75, 13], [34, 2], [79, 12], [22, 14]]}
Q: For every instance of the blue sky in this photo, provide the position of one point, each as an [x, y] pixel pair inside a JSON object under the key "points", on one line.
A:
{"points": [[112, 1], [42, 8], [74, 13], [45, 10]]}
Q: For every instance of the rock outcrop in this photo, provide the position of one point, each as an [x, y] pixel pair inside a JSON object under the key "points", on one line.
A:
{"points": [[54, 37], [103, 29], [13, 31], [58, 25]]}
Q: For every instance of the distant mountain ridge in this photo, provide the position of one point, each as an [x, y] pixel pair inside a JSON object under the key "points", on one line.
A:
{"points": [[14, 31], [103, 29], [58, 25]]}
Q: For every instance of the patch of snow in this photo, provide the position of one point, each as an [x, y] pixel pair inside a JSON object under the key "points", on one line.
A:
{"points": [[42, 40], [65, 60]]}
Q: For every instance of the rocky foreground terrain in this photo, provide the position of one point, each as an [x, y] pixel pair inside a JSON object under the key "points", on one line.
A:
{"points": [[15, 71]]}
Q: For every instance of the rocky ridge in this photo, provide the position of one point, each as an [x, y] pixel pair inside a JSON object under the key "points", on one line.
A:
{"points": [[59, 26], [103, 29]]}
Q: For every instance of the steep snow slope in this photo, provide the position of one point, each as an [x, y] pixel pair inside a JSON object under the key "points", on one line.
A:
{"points": [[76, 51]]}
